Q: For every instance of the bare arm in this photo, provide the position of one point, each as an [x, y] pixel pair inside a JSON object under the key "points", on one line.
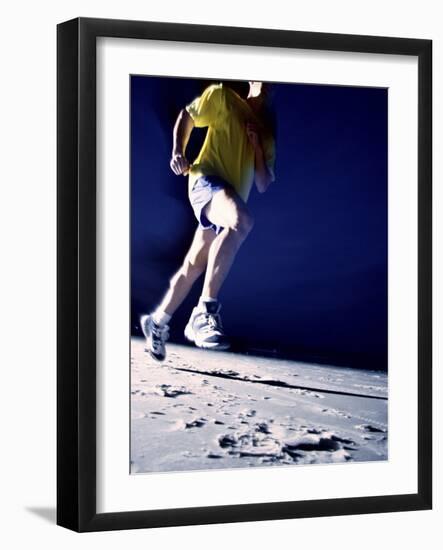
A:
{"points": [[263, 178], [181, 133]]}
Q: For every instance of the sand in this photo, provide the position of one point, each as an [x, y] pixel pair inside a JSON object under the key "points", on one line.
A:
{"points": [[200, 410]]}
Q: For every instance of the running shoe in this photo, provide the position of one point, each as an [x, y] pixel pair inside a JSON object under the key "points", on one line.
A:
{"points": [[205, 327], [156, 336]]}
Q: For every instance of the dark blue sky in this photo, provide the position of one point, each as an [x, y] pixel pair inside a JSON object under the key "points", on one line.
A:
{"points": [[311, 280]]}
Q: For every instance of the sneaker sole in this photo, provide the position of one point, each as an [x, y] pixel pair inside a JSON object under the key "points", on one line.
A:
{"points": [[189, 335], [156, 357]]}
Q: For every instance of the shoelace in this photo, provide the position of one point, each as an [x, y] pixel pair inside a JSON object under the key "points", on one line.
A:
{"points": [[159, 334], [213, 322]]}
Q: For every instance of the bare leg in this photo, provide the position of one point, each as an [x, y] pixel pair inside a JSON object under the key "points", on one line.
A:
{"points": [[193, 266], [228, 210]]}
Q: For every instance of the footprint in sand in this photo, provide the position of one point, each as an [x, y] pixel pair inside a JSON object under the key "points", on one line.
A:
{"points": [[263, 428], [248, 413], [172, 391], [315, 440], [307, 446], [250, 444], [214, 455], [197, 423], [370, 428]]}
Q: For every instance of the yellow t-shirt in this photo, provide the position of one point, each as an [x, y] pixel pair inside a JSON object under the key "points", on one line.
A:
{"points": [[226, 151]]}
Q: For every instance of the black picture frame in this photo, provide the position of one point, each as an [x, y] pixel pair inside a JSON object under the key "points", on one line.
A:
{"points": [[77, 249]]}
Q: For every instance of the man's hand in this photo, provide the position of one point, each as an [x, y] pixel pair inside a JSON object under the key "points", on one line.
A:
{"points": [[179, 164], [253, 135]]}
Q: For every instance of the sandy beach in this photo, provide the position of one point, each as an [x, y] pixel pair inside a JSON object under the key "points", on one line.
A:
{"points": [[201, 410]]}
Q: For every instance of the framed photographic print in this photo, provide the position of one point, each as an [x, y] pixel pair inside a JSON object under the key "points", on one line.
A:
{"points": [[244, 274]]}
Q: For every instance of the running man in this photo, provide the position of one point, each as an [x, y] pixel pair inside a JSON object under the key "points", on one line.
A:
{"points": [[238, 150]]}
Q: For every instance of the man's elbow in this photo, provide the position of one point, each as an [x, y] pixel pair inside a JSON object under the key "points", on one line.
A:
{"points": [[262, 187], [264, 183]]}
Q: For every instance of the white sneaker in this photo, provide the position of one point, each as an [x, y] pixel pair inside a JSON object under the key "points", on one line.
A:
{"points": [[156, 336], [205, 327]]}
